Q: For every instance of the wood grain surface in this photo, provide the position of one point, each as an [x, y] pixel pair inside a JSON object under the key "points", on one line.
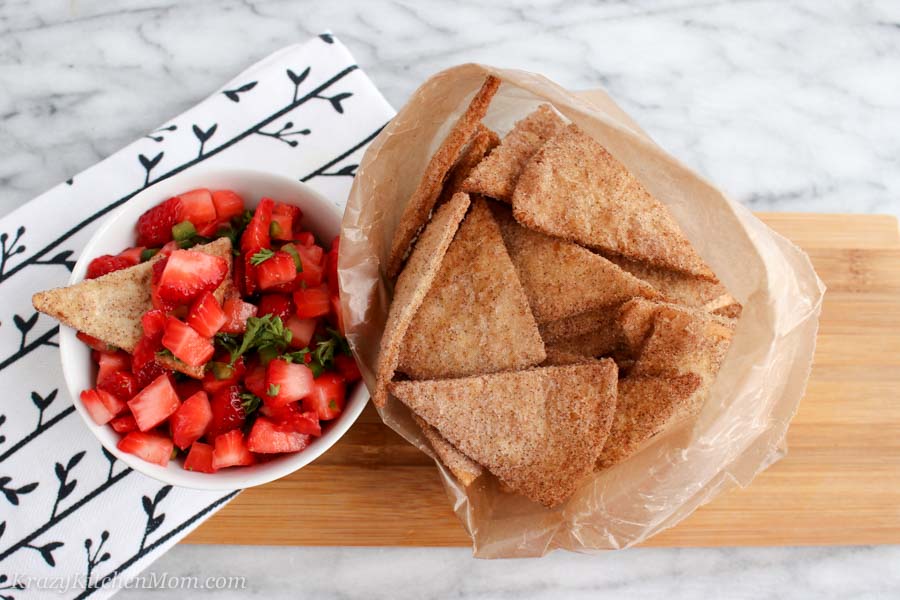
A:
{"points": [[839, 484]]}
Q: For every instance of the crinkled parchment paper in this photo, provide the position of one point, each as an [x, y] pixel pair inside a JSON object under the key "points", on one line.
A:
{"points": [[742, 426]]}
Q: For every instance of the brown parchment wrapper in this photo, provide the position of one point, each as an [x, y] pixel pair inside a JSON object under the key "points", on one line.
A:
{"points": [[742, 426]]}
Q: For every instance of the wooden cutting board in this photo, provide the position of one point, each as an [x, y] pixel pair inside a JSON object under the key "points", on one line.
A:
{"points": [[839, 484]]}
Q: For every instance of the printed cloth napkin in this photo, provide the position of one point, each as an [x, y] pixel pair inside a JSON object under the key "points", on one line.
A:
{"points": [[73, 520]]}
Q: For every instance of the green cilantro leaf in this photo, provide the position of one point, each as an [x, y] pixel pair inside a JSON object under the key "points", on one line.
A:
{"points": [[290, 249], [261, 257], [250, 402], [273, 389], [265, 334]]}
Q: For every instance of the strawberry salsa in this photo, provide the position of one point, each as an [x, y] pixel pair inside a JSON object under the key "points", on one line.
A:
{"points": [[228, 372]]}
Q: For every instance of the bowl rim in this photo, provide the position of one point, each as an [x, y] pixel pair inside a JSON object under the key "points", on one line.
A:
{"points": [[70, 346]]}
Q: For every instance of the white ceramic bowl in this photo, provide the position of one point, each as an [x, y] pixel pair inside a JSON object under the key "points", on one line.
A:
{"points": [[117, 233]]}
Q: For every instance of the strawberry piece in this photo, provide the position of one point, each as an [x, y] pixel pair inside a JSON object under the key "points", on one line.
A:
{"points": [[153, 322], [219, 375], [96, 408], [312, 263], [209, 230], [111, 362], [154, 227], [337, 314], [347, 367], [331, 263], [267, 438], [120, 384], [154, 404], [301, 422], [327, 397], [189, 273], [185, 388], [286, 382], [277, 270], [94, 343], [255, 380], [305, 238], [190, 421], [206, 316], [124, 424], [284, 218], [133, 255], [229, 450], [302, 331], [227, 412], [197, 207], [236, 313], [280, 305], [187, 345], [238, 277], [107, 263], [200, 458], [256, 235], [151, 447], [169, 248], [143, 362], [312, 302], [228, 204], [112, 404]]}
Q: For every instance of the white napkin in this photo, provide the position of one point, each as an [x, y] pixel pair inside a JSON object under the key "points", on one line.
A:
{"points": [[68, 510]]}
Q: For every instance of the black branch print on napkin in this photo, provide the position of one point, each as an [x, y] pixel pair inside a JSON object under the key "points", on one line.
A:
{"points": [[233, 95], [2, 439], [297, 79], [42, 403], [109, 456], [66, 486], [153, 520], [158, 135], [327, 38], [46, 551], [24, 326], [336, 100], [94, 558], [12, 493], [8, 248], [5, 586], [203, 136], [282, 134], [148, 164], [64, 259]]}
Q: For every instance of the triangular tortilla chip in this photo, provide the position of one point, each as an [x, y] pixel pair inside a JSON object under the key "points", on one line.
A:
{"points": [[497, 174], [475, 318], [423, 199], [646, 406], [681, 288], [579, 324], [574, 189], [463, 468], [413, 285], [561, 356], [110, 307], [483, 142], [604, 341], [562, 279], [540, 431]]}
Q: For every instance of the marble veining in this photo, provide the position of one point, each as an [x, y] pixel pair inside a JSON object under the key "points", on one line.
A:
{"points": [[785, 105]]}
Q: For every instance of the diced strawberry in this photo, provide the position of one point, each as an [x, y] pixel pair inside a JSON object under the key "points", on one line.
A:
{"points": [[347, 367], [284, 219], [107, 263], [228, 204], [219, 375], [95, 406], [286, 382], [238, 277], [327, 397], [280, 305], [236, 313], [112, 404], [197, 207], [133, 255], [255, 380], [94, 343], [337, 313], [302, 422], [305, 238], [302, 331], [111, 362], [153, 323], [229, 450], [206, 316], [227, 412], [124, 424], [187, 387], [121, 384], [331, 263], [208, 230], [312, 263], [151, 447], [156, 272], [249, 284], [312, 302], [275, 271], [143, 362], [190, 421], [267, 438], [154, 227], [200, 458], [256, 235], [187, 345], [189, 273], [154, 404], [168, 249]]}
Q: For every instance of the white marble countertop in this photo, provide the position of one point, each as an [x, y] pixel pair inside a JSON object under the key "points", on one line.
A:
{"points": [[785, 105]]}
